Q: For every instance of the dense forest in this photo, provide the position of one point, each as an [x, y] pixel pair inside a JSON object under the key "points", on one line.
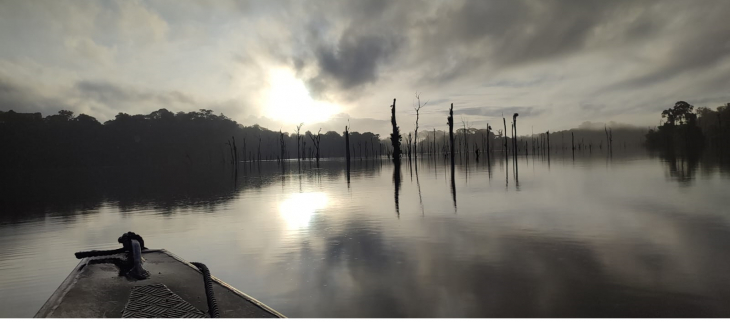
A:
{"points": [[201, 138], [685, 128], [161, 138]]}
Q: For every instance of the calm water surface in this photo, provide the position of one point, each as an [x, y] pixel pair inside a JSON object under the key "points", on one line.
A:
{"points": [[633, 235]]}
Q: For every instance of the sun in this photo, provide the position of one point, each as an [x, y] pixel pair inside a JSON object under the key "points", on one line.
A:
{"points": [[287, 100]]}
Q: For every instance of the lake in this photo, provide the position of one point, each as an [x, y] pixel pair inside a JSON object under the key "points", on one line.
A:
{"points": [[635, 234]]}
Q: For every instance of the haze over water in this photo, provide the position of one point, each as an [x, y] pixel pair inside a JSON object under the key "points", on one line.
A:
{"points": [[633, 235]]}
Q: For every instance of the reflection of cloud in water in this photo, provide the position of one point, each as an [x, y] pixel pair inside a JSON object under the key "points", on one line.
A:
{"points": [[298, 208], [366, 272], [583, 239]]}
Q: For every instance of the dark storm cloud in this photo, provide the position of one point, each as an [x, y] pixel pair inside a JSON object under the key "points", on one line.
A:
{"points": [[353, 62], [373, 35], [698, 51], [464, 37], [461, 39]]}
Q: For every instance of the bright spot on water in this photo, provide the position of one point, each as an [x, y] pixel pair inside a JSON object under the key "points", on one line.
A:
{"points": [[299, 208]]}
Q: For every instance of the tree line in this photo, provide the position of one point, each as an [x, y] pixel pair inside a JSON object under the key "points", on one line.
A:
{"points": [[162, 138], [202, 138], [689, 129]]}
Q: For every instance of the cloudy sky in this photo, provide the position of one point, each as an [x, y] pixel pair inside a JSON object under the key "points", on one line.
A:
{"points": [[279, 63]]}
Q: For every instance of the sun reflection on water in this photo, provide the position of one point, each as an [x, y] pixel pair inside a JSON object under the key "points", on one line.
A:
{"points": [[299, 208]]}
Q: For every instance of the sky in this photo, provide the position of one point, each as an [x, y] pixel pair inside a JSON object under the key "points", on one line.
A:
{"points": [[326, 63]]}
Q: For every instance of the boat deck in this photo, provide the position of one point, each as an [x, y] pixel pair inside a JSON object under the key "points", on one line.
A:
{"points": [[95, 290]]}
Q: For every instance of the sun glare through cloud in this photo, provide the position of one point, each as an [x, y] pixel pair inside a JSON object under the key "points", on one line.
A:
{"points": [[287, 100]]}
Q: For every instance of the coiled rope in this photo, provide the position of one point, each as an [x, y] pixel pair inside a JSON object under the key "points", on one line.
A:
{"points": [[208, 281]]}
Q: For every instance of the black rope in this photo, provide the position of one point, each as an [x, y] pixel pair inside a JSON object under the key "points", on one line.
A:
{"points": [[93, 253], [208, 281], [133, 245], [125, 240]]}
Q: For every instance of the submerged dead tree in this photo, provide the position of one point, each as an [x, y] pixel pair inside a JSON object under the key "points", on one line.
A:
{"points": [[434, 142], [299, 138], [572, 143], [315, 141], [304, 149], [415, 135], [609, 139], [282, 146], [450, 122], [244, 149], [548, 142], [409, 147], [233, 150], [347, 146], [395, 137], [465, 144], [514, 132], [489, 129], [505, 135]]}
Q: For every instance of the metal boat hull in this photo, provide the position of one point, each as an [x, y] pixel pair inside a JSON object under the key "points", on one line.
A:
{"points": [[96, 289]]}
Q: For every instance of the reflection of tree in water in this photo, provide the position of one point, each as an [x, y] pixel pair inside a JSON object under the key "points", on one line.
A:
{"points": [[682, 166], [397, 178], [68, 193], [453, 185], [418, 183]]}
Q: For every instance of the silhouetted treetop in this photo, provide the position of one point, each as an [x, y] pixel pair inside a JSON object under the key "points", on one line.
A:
{"points": [[160, 138]]}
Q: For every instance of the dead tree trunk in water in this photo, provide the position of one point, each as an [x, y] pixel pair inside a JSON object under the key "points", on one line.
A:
{"points": [[514, 134], [230, 150], [489, 129], [466, 140], [304, 149], [347, 146], [395, 136], [610, 140], [548, 143], [415, 135], [450, 120], [282, 147], [299, 138], [235, 151], [315, 141], [372, 146], [434, 142], [409, 148], [505, 135], [244, 150], [572, 143], [259, 150]]}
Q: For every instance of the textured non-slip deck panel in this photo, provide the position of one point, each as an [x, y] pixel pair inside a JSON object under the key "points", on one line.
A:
{"points": [[157, 301], [95, 289]]}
